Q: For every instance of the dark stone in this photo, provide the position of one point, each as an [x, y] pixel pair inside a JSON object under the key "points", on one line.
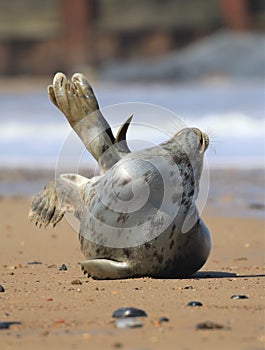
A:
{"points": [[128, 312], [118, 345], [188, 287], [63, 267], [6, 325], [76, 282], [163, 319], [238, 296], [194, 303], [2, 289], [209, 325], [257, 206], [34, 263]]}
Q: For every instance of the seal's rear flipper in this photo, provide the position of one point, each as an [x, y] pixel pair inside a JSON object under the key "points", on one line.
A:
{"points": [[121, 136], [105, 269]]}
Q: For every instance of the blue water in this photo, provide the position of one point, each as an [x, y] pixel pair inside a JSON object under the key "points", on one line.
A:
{"points": [[34, 135], [33, 131]]}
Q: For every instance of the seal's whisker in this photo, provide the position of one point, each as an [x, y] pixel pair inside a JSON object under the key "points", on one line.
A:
{"points": [[211, 146], [173, 127], [213, 138]]}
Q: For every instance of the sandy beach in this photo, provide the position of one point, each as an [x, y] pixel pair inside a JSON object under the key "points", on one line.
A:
{"points": [[57, 313], [56, 309], [169, 73]]}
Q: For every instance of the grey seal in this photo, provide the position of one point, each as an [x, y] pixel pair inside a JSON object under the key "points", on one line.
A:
{"points": [[139, 216]]}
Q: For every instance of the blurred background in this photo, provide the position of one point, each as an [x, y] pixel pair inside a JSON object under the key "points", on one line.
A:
{"points": [[41, 37], [202, 59]]}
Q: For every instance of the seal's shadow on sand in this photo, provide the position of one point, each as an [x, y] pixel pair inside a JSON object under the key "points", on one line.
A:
{"points": [[219, 274], [214, 274]]}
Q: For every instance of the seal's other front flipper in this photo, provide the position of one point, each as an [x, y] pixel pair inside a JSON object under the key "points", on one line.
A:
{"points": [[57, 198], [106, 269], [45, 208]]}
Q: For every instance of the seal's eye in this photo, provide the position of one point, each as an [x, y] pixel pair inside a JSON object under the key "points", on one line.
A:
{"points": [[202, 142]]}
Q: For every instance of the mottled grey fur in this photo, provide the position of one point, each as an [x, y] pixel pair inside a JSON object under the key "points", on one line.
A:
{"points": [[172, 173]]}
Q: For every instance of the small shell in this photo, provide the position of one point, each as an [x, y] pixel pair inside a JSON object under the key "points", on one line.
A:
{"points": [[128, 322]]}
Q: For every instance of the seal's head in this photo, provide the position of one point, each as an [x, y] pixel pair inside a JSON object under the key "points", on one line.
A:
{"points": [[193, 141], [187, 147]]}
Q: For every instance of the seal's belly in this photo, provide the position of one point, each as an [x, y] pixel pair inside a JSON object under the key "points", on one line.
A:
{"points": [[173, 254]]}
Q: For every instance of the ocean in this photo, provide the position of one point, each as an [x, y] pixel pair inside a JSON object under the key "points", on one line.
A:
{"points": [[33, 131], [34, 135]]}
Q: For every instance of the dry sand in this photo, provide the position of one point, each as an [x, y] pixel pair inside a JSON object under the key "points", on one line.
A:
{"points": [[56, 314]]}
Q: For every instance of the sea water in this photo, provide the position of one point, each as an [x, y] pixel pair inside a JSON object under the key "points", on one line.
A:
{"points": [[35, 135], [32, 130]]}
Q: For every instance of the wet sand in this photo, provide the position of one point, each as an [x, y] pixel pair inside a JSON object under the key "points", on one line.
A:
{"points": [[56, 314]]}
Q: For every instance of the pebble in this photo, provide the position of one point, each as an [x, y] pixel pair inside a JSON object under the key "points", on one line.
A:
{"points": [[238, 296], [257, 206], [52, 266], [118, 345], [6, 325], [209, 325], [189, 287], [128, 322], [243, 258], [56, 322], [76, 282], [163, 319], [2, 289], [34, 263], [129, 312], [194, 303], [63, 267], [157, 323]]}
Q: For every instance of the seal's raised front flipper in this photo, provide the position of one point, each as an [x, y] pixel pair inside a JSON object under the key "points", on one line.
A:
{"points": [[58, 197], [105, 269], [78, 103]]}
